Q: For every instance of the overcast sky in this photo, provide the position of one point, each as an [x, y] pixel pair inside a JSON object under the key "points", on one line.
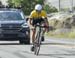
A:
{"points": [[63, 3]]}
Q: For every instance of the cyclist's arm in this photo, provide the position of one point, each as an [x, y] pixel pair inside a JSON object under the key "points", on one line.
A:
{"points": [[31, 17], [45, 17], [30, 21], [47, 22]]}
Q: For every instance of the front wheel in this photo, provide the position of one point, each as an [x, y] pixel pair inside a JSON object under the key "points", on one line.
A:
{"points": [[36, 49], [37, 44]]}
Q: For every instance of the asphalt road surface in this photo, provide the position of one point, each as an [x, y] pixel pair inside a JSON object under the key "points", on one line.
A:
{"points": [[51, 48]]}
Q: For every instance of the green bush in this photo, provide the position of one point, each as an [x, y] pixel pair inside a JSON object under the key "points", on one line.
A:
{"points": [[28, 5], [50, 9]]}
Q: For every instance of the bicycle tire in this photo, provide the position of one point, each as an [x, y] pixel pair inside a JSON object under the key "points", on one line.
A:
{"points": [[37, 44], [37, 50]]}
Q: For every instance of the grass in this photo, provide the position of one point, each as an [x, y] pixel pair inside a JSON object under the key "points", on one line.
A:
{"points": [[59, 32], [70, 35]]}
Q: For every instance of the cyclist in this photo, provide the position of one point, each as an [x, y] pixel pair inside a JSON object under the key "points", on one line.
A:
{"points": [[37, 16]]}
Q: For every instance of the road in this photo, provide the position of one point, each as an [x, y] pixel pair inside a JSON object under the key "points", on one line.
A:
{"points": [[49, 49]]}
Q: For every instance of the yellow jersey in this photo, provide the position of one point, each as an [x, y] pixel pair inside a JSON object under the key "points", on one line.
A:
{"points": [[35, 14]]}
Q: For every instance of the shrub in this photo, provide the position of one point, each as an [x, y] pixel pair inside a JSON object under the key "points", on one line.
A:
{"points": [[50, 9]]}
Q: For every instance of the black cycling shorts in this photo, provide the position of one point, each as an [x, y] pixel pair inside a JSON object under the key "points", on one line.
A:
{"points": [[35, 21]]}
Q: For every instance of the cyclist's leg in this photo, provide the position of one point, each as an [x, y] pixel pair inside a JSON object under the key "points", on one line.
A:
{"points": [[42, 39], [44, 30], [32, 34], [41, 21], [33, 39]]}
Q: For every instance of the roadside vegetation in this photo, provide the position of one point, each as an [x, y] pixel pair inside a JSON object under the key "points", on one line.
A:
{"points": [[28, 5], [61, 25], [70, 35]]}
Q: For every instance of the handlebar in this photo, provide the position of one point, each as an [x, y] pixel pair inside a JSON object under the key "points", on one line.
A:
{"points": [[41, 26]]}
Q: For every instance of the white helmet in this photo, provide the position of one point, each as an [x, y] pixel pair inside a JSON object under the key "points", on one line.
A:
{"points": [[38, 7]]}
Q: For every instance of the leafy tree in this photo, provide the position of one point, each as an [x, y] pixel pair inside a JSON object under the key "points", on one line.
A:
{"points": [[50, 9], [0, 3], [13, 3], [28, 5], [10, 3]]}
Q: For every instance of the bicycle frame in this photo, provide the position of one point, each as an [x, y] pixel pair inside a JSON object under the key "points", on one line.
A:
{"points": [[37, 43]]}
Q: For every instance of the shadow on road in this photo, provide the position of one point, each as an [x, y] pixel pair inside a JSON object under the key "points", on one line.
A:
{"points": [[56, 55], [31, 44], [54, 44], [51, 55]]}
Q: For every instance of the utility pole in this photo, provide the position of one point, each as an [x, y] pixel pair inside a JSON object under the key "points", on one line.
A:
{"points": [[72, 5], [59, 5]]}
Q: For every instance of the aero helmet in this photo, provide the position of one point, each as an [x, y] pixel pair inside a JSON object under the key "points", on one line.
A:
{"points": [[38, 7]]}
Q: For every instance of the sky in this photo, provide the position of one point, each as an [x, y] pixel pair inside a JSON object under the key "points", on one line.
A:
{"points": [[63, 3]]}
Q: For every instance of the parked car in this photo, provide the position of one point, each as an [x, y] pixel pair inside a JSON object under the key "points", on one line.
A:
{"points": [[13, 25]]}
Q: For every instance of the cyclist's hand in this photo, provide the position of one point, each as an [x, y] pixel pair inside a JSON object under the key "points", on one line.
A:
{"points": [[43, 17], [32, 27]]}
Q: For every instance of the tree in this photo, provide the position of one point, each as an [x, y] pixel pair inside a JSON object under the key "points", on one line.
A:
{"points": [[0, 3], [50, 9], [28, 5]]}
